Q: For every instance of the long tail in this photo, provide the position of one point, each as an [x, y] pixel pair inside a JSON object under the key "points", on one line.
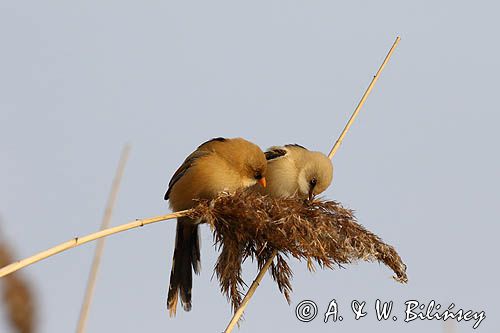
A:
{"points": [[186, 259]]}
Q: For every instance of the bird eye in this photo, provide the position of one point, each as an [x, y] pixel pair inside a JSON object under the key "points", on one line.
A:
{"points": [[258, 175], [313, 182]]}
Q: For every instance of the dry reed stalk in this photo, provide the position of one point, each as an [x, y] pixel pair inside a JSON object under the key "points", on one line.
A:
{"points": [[17, 296], [363, 99], [77, 241], [108, 212], [238, 313]]}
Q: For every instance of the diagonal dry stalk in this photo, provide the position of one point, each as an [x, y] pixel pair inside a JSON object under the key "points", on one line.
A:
{"points": [[363, 99], [239, 312], [108, 212], [77, 241]]}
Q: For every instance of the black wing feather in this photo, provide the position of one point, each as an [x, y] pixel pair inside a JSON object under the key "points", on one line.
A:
{"points": [[295, 145], [273, 153], [219, 139]]}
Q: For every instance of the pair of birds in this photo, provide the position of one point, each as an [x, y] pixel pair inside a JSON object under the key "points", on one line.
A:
{"points": [[226, 165]]}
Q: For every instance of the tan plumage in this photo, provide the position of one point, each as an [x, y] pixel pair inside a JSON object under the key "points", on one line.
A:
{"points": [[293, 170], [218, 165]]}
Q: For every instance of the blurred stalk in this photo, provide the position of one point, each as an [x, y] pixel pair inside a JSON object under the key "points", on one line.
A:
{"points": [[89, 292]]}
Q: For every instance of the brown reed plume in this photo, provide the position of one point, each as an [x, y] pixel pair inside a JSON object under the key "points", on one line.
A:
{"points": [[249, 225], [17, 296], [239, 312]]}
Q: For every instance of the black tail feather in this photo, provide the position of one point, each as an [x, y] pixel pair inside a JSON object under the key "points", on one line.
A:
{"points": [[186, 259]]}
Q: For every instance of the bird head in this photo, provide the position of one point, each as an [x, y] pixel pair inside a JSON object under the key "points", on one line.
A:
{"points": [[315, 176], [254, 167], [249, 160]]}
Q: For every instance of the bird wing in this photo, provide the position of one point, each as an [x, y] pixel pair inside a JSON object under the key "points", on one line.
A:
{"points": [[277, 152], [204, 149]]}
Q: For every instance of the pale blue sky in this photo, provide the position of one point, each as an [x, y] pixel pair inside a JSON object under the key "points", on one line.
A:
{"points": [[420, 166]]}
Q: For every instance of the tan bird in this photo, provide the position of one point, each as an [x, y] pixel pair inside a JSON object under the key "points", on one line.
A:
{"points": [[218, 165], [293, 170]]}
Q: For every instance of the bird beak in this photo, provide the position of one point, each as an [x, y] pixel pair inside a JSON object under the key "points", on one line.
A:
{"points": [[311, 194], [262, 182]]}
